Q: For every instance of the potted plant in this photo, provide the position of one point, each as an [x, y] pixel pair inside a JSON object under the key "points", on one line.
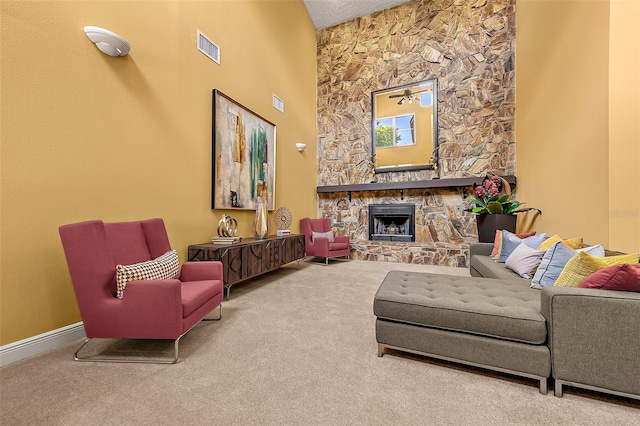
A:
{"points": [[494, 207]]}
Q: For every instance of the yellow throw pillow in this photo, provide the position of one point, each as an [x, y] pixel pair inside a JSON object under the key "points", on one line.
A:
{"points": [[546, 244], [583, 264], [574, 243]]}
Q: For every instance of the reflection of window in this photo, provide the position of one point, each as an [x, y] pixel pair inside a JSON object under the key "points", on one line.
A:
{"points": [[426, 99], [395, 131]]}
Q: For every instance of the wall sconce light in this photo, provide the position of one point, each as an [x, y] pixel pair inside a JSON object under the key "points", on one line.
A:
{"points": [[107, 41], [301, 146]]}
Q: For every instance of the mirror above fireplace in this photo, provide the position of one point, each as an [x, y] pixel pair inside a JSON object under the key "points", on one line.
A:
{"points": [[404, 126]]}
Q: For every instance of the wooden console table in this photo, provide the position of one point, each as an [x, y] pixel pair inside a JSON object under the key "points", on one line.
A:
{"points": [[250, 257]]}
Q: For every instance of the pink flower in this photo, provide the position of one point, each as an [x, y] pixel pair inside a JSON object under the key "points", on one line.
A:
{"points": [[480, 192]]}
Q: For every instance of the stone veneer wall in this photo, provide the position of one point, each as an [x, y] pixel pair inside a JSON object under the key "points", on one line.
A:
{"points": [[469, 46]]}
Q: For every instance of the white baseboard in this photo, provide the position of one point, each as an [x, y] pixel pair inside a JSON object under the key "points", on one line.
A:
{"points": [[42, 342]]}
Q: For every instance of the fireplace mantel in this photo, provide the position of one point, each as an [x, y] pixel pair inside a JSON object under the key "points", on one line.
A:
{"points": [[401, 186]]}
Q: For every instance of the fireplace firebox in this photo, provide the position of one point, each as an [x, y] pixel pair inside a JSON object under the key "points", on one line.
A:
{"points": [[392, 222]]}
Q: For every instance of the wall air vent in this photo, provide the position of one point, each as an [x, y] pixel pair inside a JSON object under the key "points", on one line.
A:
{"points": [[208, 47], [278, 103]]}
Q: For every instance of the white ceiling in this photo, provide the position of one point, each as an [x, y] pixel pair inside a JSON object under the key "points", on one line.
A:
{"points": [[326, 13]]}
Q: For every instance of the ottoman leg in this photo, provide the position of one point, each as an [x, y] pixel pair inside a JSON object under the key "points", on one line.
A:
{"points": [[380, 349]]}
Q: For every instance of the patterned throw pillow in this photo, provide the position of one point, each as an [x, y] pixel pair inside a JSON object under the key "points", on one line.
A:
{"points": [[164, 267], [523, 260], [583, 264], [328, 235]]}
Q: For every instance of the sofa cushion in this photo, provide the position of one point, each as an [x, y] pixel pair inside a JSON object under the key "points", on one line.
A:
{"points": [[196, 293], [338, 246], [504, 309], [489, 268]]}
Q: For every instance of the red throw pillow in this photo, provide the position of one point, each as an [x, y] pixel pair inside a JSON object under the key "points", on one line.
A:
{"points": [[622, 277], [524, 235]]}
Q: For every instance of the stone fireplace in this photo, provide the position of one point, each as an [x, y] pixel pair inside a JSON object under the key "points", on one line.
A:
{"points": [[442, 229], [470, 48], [392, 222]]}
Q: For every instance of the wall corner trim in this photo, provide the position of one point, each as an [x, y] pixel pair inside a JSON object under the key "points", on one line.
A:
{"points": [[35, 345]]}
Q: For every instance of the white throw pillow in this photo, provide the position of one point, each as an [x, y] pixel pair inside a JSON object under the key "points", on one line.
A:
{"points": [[595, 251], [523, 260], [328, 235]]}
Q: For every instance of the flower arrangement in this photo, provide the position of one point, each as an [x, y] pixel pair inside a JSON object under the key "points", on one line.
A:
{"points": [[490, 198]]}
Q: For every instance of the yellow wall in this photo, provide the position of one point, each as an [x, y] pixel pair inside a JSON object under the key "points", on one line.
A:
{"points": [[624, 126], [87, 136], [562, 116]]}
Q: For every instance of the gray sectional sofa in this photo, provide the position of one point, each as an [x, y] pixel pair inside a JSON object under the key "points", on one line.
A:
{"points": [[579, 337]]}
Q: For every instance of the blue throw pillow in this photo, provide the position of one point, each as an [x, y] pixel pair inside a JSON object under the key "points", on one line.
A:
{"points": [[553, 262], [555, 259], [510, 241]]}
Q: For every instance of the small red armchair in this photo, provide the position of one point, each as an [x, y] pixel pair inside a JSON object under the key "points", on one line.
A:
{"points": [[149, 308], [321, 245]]}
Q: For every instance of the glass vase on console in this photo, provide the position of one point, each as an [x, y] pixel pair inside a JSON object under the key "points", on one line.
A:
{"points": [[261, 221]]}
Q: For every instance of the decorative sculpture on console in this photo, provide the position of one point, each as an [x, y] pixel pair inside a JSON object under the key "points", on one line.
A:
{"points": [[227, 226]]}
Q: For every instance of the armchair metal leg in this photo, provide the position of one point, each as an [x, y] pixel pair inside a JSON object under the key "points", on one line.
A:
{"points": [[219, 315], [77, 357], [176, 350]]}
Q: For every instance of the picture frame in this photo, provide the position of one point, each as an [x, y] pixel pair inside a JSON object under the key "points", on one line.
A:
{"points": [[243, 156]]}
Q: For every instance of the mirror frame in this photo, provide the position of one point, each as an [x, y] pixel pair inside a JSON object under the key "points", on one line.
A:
{"points": [[431, 161]]}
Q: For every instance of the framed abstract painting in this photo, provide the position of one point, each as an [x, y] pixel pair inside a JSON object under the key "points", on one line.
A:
{"points": [[244, 156]]}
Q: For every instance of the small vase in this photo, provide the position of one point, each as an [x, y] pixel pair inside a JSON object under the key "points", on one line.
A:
{"points": [[489, 223], [261, 221]]}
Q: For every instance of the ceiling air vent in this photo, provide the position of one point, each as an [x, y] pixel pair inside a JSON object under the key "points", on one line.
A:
{"points": [[208, 47]]}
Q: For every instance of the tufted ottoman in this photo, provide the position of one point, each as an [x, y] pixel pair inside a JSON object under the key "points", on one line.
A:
{"points": [[489, 323]]}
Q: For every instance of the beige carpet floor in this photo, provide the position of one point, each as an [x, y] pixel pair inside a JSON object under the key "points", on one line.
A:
{"points": [[294, 347]]}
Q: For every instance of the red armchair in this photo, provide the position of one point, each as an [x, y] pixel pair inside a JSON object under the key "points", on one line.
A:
{"points": [[321, 246], [149, 309]]}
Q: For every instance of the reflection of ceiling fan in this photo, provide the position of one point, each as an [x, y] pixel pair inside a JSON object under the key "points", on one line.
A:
{"points": [[408, 96]]}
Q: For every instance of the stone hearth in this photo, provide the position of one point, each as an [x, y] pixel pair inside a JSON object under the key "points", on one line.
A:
{"points": [[443, 231]]}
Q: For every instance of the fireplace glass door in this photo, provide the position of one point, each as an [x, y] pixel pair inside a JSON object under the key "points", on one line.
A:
{"points": [[392, 222]]}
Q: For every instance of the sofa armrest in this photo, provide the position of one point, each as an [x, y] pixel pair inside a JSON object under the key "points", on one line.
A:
{"points": [[319, 247], [341, 239], [593, 337], [480, 249], [201, 270]]}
